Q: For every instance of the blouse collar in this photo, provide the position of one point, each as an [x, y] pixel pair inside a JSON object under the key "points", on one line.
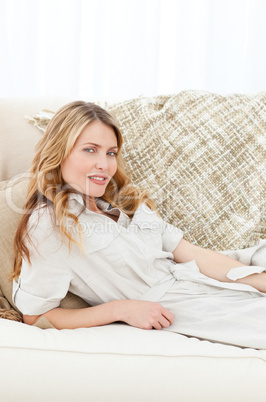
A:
{"points": [[76, 205]]}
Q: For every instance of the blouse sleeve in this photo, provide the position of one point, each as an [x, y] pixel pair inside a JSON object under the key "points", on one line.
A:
{"points": [[165, 235], [43, 284], [171, 236]]}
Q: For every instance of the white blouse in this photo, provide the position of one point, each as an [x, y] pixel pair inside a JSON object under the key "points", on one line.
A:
{"points": [[119, 260], [132, 259]]}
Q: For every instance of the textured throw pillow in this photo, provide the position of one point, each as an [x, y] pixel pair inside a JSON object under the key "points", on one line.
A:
{"points": [[12, 199], [202, 156]]}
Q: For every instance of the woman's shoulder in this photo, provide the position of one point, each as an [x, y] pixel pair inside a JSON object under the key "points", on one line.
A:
{"points": [[43, 231], [43, 234], [42, 218], [144, 215]]}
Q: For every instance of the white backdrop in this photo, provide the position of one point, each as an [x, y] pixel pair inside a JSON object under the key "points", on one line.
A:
{"points": [[125, 48]]}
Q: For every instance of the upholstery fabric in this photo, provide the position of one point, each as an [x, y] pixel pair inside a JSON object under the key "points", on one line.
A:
{"points": [[202, 156], [118, 363], [18, 138], [11, 200]]}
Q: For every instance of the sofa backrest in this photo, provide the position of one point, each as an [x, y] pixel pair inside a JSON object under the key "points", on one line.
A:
{"points": [[18, 138], [201, 155]]}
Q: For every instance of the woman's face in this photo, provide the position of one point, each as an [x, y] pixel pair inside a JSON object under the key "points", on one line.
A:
{"points": [[92, 161]]}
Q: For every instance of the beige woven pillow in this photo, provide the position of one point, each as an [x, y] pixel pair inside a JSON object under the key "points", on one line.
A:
{"points": [[12, 199], [202, 156]]}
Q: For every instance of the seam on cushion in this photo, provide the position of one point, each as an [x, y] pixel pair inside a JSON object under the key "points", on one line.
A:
{"points": [[135, 354]]}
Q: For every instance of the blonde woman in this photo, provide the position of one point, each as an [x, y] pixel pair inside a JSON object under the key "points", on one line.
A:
{"points": [[88, 230]]}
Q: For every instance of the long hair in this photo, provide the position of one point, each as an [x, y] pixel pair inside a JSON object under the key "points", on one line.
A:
{"points": [[47, 187]]}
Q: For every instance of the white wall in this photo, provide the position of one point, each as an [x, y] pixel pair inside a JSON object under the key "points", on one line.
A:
{"points": [[125, 48]]}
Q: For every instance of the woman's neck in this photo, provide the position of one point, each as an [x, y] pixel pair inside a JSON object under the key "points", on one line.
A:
{"points": [[91, 205]]}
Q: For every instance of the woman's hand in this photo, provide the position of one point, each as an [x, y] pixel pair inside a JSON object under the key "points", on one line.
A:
{"points": [[145, 315]]}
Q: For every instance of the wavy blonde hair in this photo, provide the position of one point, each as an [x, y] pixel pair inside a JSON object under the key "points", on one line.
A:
{"points": [[47, 186]]}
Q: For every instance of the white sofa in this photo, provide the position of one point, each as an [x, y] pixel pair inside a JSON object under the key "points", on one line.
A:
{"points": [[189, 143]]}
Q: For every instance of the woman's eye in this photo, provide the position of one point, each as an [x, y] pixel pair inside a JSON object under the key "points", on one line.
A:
{"points": [[92, 150], [112, 153]]}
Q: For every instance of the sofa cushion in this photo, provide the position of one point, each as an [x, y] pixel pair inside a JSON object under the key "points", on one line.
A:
{"points": [[120, 363], [12, 199]]}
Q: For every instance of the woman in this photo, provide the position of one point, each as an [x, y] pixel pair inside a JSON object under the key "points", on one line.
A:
{"points": [[88, 230]]}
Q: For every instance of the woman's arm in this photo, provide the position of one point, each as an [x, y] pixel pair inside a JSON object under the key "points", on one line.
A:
{"points": [[216, 265], [137, 313]]}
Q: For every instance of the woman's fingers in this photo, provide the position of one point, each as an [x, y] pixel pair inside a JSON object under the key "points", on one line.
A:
{"points": [[156, 326], [163, 322], [168, 315], [146, 315]]}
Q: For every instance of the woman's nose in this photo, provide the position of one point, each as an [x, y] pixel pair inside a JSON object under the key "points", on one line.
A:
{"points": [[102, 162]]}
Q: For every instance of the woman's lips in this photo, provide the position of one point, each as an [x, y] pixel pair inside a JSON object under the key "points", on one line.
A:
{"points": [[100, 180]]}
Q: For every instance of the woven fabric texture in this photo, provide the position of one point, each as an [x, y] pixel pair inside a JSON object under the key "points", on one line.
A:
{"points": [[202, 156]]}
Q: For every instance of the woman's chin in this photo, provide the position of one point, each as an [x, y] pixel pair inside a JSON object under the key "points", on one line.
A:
{"points": [[96, 194]]}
